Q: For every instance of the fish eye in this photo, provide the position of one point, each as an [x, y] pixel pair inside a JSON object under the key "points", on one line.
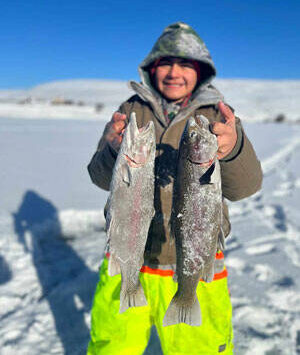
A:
{"points": [[193, 134]]}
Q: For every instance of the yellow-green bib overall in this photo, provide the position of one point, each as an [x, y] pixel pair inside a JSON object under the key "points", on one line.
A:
{"points": [[128, 333]]}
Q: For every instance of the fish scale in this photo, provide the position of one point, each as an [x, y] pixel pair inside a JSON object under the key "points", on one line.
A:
{"points": [[131, 209], [196, 219]]}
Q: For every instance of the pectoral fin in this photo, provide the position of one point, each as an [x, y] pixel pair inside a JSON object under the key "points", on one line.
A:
{"points": [[126, 174]]}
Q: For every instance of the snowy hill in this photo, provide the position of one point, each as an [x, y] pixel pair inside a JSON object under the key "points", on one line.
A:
{"points": [[38, 101], [254, 100], [52, 227]]}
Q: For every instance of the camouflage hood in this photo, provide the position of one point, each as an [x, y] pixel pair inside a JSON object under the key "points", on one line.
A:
{"points": [[179, 40]]}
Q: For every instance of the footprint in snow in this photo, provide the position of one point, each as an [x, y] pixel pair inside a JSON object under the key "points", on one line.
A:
{"points": [[232, 244], [237, 264], [277, 214], [263, 272], [259, 321], [262, 347], [285, 282], [298, 342], [286, 299], [261, 249], [292, 252]]}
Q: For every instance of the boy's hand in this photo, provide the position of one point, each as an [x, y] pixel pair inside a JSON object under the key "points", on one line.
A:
{"points": [[114, 130], [225, 132]]}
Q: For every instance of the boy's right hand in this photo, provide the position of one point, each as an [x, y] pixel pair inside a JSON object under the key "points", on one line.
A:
{"points": [[114, 130]]}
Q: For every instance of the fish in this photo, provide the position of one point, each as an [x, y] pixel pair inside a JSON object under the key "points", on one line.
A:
{"points": [[130, 209], [196, 219]]}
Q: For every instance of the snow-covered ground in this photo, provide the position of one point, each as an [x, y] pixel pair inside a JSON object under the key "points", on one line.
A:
{"points": [[254, 100], [52, 239]]}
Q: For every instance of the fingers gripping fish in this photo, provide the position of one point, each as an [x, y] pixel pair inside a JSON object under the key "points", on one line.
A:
{"points": [[130, 210], [196, 220]]}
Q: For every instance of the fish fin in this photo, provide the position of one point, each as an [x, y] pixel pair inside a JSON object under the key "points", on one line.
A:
{"points": [[110, 225], [126, 174], [221, 240], [136, 299], [113, 266], [215, 177], [153, 213], [177, 313], [209, 273]]}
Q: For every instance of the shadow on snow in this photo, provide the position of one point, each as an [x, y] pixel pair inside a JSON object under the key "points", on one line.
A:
{"points": [[67, 283], [5, 272]]}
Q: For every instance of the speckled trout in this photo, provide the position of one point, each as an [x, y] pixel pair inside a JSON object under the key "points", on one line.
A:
{"points": [[131, 209], [196, 220]]}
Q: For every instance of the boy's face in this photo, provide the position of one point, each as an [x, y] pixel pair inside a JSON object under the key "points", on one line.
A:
{"points": [[175, 78]]}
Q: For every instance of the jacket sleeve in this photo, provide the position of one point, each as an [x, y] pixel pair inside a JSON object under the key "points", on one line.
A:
{"points": [[101, 166], [241, 170]]}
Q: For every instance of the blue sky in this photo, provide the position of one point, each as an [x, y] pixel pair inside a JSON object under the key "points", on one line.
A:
{"points": [[48, 40]]}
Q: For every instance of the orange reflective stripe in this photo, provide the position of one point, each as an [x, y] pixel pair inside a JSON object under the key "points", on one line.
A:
{"points": [[160, 272], [148, 270], [219, 255], [220, 275]]}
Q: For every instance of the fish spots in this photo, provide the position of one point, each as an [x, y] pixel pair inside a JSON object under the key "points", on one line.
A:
{"points": [[132, 208], [135, 215], [198, 208]]}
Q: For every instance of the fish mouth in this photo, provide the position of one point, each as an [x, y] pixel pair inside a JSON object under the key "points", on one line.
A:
{"points": [[144, 131], [205, 163]]}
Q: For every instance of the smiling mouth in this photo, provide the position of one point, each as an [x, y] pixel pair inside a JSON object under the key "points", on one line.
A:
{"points": [[173, 85]]}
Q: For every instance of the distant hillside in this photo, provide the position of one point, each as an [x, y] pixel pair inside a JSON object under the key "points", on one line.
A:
{"points": [[253, 100]]}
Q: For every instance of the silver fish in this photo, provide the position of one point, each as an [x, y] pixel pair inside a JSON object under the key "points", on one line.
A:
{"points": [[196, 220], [131, 209]]}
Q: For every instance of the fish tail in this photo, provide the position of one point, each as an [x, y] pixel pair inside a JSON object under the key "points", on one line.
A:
{"points": [[129, 298], [181, 313]]}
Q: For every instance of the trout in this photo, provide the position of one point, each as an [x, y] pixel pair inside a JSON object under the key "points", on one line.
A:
{"points": [[196, 219], [131, 209]]}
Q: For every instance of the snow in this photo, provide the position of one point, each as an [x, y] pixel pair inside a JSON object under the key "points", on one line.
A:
{"points": [[52, 235], [270, 99], [88, 92]]}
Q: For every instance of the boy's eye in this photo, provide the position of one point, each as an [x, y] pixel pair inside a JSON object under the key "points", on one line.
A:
{"points": [[164, 62], [181, 63], [187, 65]]}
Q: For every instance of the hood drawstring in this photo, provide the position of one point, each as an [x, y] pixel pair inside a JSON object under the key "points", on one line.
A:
{"points": [[171, 110]]}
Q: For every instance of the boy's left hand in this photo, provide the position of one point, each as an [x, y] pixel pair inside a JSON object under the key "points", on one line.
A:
{"points": [[225, 132]]}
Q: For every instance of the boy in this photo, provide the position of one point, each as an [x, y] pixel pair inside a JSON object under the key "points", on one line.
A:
{"points": [[175, 85]]}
